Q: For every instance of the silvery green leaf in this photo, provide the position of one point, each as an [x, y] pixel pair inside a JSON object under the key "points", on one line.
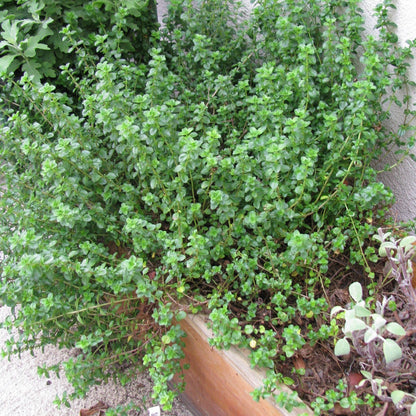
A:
{"points": [[377, 237], [378, 321], [369, 335], [356, 291], [361, 311], [367, 374], [382, 236], [354, 324], [395, 328], [349, 314], [336, 310], [342, 347], [383, 248], [391, 350], [408, 242], [397, 396]]}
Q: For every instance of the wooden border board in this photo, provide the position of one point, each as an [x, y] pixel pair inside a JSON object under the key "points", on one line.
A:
{"points": [[219, 382]]}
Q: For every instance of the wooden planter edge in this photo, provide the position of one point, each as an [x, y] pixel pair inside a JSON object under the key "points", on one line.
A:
{"points": [[219, 382]]}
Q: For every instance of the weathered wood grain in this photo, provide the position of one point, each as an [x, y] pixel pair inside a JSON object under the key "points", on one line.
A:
{"points": [[219, 382]]}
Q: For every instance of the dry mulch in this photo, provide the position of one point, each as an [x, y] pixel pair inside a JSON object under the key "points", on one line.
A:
{"points": [[323, 369]]}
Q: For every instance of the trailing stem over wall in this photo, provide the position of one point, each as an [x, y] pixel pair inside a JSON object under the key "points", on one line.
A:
{"points": [[221, 163]]}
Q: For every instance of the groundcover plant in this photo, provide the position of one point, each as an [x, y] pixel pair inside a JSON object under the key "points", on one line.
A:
{"points": [[223, 168]]}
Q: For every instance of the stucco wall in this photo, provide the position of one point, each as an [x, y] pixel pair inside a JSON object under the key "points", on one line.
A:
{"points": [[401, 179], [161, 9]]}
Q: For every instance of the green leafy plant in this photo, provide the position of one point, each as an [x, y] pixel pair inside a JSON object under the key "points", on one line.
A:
{"points": [[31, 41], [227, 168], [366, 330], [294, 341]]}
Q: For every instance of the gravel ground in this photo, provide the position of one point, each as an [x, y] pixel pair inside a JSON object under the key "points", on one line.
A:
{"points": [[24, 393]]}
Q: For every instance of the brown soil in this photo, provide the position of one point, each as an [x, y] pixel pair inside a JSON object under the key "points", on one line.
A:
{"points": [[323, 370]]}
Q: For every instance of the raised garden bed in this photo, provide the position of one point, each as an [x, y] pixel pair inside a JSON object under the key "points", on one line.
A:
{"points": [[219, 382], [230, 165]]}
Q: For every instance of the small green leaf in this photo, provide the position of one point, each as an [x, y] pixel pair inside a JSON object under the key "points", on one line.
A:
{"points": [[5, 62], [395, 329], [397, 396], [288, 381], [356, 291], [344, 403], [342, 347], [166, 339], [180, 315], [391, 350], [249, 329]]}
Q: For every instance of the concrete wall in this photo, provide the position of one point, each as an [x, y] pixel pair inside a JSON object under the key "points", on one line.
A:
{"points": [[401, 179]]}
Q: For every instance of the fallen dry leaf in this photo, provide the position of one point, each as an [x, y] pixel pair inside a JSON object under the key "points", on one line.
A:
{"points": [[299, 363], [98, 409], [354, 380]]}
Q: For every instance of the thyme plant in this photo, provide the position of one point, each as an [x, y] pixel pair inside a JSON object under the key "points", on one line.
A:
{"points": [[226, 170]]}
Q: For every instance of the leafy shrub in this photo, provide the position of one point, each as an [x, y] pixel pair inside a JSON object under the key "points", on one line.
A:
{"points": [[225, 171], [31, 39]]}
